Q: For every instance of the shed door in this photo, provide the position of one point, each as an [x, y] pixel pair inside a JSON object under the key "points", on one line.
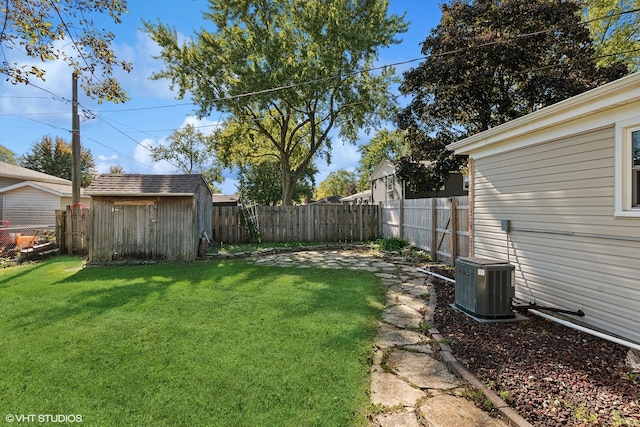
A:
{"points": [[134, 228]]}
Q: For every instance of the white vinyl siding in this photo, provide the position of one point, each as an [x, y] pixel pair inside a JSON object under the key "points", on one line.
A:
{"points": [[30, 206], [569, 249]]}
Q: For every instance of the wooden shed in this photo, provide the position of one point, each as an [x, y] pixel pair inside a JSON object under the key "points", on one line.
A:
{"points": [[148, 217]]}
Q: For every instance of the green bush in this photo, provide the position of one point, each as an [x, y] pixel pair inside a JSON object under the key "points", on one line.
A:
{"points": [[393, 244]]}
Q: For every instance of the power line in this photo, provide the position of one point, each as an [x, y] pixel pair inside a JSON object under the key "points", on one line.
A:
{"points": [[132, 139], [77, 46], [345, 75], [295, 85]]}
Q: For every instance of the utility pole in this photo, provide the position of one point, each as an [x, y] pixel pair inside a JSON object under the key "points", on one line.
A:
{"points": [[76, 177]]}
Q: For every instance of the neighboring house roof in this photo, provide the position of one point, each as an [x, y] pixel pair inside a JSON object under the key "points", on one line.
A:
{"points": [[146, 185], [18, 172], [360, 195], [553, 121], [225, 198], [384, 168], [60, 190], [330, 199], [387, 168]]}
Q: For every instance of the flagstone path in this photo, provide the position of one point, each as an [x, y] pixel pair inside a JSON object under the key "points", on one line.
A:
{"points": [[410, 385]]}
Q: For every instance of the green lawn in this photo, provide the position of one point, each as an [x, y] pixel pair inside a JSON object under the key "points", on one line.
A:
{"points": [[205, 343]]}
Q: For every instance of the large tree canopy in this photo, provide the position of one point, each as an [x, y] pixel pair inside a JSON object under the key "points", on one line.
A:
{"points": [[337, 183], [260, 183], [487, 63], [54, 157], [285, 73], [615, 29], [190, 151], [7, 155], [39, 29]]}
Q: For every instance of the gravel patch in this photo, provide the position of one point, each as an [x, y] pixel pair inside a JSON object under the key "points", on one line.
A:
{"points": [[550, 374]]}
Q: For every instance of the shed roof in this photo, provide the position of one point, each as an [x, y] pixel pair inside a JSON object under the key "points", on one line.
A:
{"points": [[146, 185]]}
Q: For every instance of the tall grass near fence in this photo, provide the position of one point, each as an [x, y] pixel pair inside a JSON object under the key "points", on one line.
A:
{"points": [[205, 343]]}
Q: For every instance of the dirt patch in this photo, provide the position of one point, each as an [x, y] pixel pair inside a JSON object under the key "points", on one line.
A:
{"points": [[550, 374]]}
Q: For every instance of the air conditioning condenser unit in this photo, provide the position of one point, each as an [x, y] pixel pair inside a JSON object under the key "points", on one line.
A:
{"points": [[485, 287]]}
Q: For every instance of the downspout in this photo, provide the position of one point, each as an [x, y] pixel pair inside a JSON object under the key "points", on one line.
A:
{"points": [[566, 323]]}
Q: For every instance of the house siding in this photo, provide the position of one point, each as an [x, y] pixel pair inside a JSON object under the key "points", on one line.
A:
{"points": [[30, 206], [569, 249]]}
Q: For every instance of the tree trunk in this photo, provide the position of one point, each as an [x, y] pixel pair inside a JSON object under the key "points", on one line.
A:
{"points": [[288, 185]]}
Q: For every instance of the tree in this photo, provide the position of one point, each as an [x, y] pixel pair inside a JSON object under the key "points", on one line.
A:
{"points": [[38, 28], [615, 31], [487, 63], [54, 157], [287, 73], [7, 155], [190, 151], [260, 183], [340, 182], [116, 169], [386, 144]]}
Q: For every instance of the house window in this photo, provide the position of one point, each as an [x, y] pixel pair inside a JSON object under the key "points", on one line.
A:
{"points": [[465, 182], [627, 173], [635, 168], [390, 183]]}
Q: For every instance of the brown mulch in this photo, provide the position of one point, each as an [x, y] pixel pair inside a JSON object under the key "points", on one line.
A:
{"points": [[550, 374]]}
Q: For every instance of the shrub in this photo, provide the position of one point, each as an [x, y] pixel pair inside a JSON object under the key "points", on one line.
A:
{"points": [[392, 244]]}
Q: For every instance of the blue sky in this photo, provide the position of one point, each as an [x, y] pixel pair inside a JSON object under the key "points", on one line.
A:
{"points": [[117, 134]]}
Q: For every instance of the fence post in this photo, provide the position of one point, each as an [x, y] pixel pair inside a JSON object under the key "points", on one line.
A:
{"points": [[454, 229], [309, 223], [60, 228], [401, 219], [360, 222], [85, 231], [434, 229], [68, 231]]}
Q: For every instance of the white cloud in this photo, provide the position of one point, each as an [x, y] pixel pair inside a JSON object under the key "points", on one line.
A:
{"points": [[142, 156], [204, 125], [49, 98], [104, 163]]}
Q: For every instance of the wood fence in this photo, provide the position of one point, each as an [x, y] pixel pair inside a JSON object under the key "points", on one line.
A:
{"points": [[310, 223], [73, 230], [439, 226]]}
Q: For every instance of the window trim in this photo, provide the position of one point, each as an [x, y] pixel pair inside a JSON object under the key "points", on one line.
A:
{"points": [[390, 183], [624, 207]]}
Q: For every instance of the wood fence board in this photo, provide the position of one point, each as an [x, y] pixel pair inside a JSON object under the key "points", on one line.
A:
{"points": [[73, 229], [440, 225], [321, 223]]}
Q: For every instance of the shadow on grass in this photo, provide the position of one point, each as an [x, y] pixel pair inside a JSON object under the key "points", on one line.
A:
{"points": [[97, 291]]}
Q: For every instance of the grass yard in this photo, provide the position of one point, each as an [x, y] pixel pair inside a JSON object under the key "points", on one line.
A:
{"points": [[205, 343]]}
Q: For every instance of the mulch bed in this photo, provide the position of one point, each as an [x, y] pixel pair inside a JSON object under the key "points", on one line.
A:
{"points": [[550, 374]]}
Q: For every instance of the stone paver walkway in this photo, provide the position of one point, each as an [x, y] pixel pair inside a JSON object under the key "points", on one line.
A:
{"points": [[410, 386]]}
